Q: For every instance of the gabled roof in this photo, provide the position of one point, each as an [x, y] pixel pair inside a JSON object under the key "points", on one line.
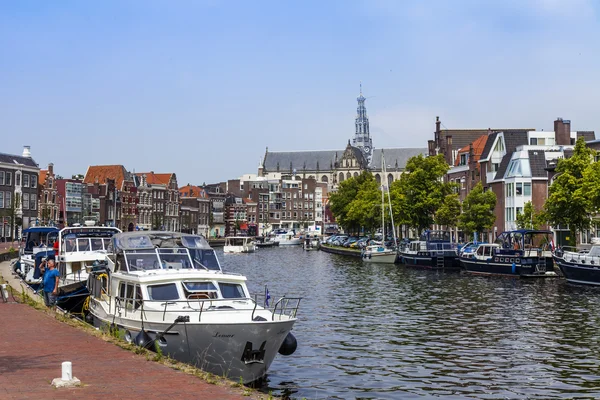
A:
{"points": [[512, 140], [537, 163], [42, 177], [16, 160], [478, 146], [156, 179], [463, 137], [395, 158], [588, 135], [487, 149], [100, 173], [192, 191]]}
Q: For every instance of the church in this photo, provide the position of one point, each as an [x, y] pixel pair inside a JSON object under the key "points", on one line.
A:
{"points": [[334, 166]]}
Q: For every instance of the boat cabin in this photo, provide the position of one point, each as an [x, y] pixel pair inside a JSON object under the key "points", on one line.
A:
{"points": [[525, 243], [38, 239]]}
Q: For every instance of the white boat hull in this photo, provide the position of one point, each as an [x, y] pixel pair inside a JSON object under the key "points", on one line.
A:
{"points": [[234, 350], [289, 242], [380, 257], [239, 249]]}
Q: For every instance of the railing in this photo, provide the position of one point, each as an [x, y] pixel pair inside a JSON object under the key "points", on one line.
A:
{"points": [[285, 306], [579, 256]]}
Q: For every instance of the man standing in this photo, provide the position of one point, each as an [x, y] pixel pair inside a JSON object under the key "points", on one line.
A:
{"points": [[50, 284]]}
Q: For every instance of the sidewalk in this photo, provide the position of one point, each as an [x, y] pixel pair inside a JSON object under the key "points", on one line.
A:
{"points": [[34, 344]]}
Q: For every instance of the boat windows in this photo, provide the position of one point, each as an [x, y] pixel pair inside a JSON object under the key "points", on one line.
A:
{"points": [[174, 258], [97, 244], [141, 261], [83, 244], [130, 295], [167, 291], [232, 290], [205, 259], [200, 290]]}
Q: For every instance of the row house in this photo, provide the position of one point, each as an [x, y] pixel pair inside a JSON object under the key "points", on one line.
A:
{"points": [[164, 201], [48, 201], [19, 177], [115, 187], [235, 215], [217, 193], [195, 210]]}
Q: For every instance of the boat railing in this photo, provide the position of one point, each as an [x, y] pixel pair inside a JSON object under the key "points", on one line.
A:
{"points": [[124, 306], [577, 255]]}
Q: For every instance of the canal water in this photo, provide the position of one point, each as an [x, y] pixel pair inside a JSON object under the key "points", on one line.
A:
{"points": [[376, 331]]}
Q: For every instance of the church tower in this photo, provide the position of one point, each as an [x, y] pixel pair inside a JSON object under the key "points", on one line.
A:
{"points": [[362, 139]]}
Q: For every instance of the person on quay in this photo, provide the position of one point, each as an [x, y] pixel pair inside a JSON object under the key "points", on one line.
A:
{"points": [[50, 284]]}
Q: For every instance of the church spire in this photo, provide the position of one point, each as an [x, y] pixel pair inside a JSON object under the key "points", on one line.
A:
{"points": [[362, 138]]}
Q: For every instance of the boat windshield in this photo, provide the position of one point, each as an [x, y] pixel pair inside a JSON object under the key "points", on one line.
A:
{"points": [[205, 259], [158, 259]]}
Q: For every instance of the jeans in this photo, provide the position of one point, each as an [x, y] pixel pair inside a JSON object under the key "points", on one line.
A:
{"points": [[49, 299]]}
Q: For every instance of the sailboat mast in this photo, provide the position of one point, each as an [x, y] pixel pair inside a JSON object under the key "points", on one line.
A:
{"points": [[382, 215]]}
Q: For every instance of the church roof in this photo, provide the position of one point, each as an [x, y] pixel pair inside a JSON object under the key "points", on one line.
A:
{"points": [[395, 157], [301, 159]]}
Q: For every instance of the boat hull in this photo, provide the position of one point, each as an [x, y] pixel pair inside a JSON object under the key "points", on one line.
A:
{"points": [[238, 249], [525, 270], [289, 242], [580, 274], [238, 351], [425, 262], [379, 257]]}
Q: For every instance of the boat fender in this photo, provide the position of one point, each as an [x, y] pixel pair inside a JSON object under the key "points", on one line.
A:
{"points": [[369, 256], [289, 345], [142, 339], [514, 268]]}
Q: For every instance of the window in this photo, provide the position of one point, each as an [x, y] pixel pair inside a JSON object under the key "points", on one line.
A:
{"points": [[26, 200], [533, 141], [17, 179], [519, 189], [463, 159], [167, 291], [25, 180], [510, 214], [7, 199], [1, 199], [510, 189], [1, 177], [9, 178], [231, 291], [494, 167], [527, 189], [33, 181], [519, 210], [32, 202]]}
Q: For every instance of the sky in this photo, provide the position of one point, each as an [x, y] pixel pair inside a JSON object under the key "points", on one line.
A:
{"points": [[202, 88]]}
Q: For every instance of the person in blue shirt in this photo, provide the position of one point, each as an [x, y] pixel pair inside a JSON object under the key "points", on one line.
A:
{"points": [[50, 284]]}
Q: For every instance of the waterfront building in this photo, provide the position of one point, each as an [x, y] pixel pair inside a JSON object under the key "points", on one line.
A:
{"points": [[115, 187], [48, 201], [70, 194], [217, 193], [164, 199], [235, 215], [195, 210], [19, 177]]}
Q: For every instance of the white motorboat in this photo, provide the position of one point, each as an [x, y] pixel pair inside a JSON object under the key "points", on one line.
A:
{"points": [[287, 238], [79, 247], [167, 290], [239, 244], [311, 242]]}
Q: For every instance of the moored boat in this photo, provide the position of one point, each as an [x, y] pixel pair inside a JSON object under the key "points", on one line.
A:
{"points": [[239, 244], [167, 290], [311, 242], [38, 246], [287, 238], [523, 253], [433, 250], [582, 267]]}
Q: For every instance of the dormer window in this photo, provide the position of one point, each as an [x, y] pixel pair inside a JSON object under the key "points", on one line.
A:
{"points": [[464, 158]]}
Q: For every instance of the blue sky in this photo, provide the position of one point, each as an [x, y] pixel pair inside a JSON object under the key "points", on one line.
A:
{"points": [[200, 88]]}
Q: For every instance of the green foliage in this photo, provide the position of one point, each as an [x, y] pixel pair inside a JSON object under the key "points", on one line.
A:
{"points": [[340, 201], [478, 210], [449, 212], [365, 209], [572, 197], [529, 218], [420, 191]]}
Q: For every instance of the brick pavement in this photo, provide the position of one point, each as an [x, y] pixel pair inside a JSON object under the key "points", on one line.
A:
{"points": [[33, 344]]}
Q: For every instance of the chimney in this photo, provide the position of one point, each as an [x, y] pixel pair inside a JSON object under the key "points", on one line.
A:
{"points": [[448, 151], [27, 151], [431, 145], [562, 132], [50, 169], [471, 154], [437, 132]]}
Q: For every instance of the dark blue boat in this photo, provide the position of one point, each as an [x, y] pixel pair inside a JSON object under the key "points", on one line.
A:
{"points": [[524, 253], [433, 250], [582, 267]]}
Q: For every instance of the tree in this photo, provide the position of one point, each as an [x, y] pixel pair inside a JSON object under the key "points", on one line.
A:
{"points": [[157, 221], [529, 218], [478, 210], [569, 203], [449, 212], [420, 191], [339, 202], [365, 209]]}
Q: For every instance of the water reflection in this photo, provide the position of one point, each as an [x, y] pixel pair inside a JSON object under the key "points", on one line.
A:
{"points": [[386, 332]]}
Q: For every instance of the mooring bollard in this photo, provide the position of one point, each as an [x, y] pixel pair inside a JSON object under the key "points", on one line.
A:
{"points": [[4, 293], [67, 379]]}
